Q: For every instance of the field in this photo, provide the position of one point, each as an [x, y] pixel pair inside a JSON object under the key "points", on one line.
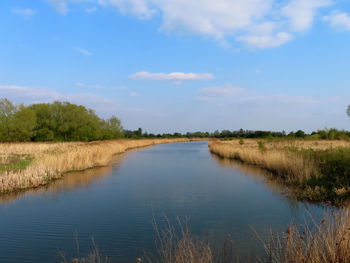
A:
{"points": [[27, 165], [318, 170]]}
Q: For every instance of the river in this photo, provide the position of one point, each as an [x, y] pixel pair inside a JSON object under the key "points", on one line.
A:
{"points": [[116, 206]]}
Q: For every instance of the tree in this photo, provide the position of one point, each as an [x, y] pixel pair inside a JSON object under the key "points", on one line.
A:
{"points": [[300, 134], [58, 121], [348, 111], [23, 124], [7, 110], [17, 122], [113, 128]]}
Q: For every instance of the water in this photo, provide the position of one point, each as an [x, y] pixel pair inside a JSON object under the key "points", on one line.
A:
{"points": [[116, 206]]}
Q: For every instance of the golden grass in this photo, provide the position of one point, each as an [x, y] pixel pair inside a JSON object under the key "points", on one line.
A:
{"points": [[273, 156], [324, 242], [182, 247], [327, 242], [52, 160]]}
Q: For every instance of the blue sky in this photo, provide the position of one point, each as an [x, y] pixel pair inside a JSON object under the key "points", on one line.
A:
{"points": [[176, 65]]}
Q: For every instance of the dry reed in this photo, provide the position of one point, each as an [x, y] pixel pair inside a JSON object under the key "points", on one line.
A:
{"points": [[51, 160], [327, 242], [182, 247], [273, 157]]}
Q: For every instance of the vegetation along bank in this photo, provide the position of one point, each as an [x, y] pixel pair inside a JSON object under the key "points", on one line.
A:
{"points": [[26, 165], [317, 170]]}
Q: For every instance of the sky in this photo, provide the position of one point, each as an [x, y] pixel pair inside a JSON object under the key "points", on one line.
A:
{"points": [[183, 65]]}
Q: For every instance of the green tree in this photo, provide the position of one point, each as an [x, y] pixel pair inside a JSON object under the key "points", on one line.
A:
{"points": [[23, 124], [17, 122], [113, 128], [300, 134], [7, 110], [58, 121]]}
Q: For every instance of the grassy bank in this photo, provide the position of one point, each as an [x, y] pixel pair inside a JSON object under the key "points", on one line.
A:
{"points": [[315, 170], [327, 241], [27, 165]]}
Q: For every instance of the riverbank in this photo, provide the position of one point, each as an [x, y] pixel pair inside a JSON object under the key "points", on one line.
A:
{"points": [[317, 170], [324, 242], [29, 165]]}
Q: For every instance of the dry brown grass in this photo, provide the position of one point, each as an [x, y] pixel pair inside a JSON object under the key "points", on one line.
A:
{"points": [[52, 160], [294, 143], [273, 156], [327, 242], [317, 170], [182, 247]]}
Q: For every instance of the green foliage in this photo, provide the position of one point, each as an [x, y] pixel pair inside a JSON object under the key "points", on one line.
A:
{"points": [[15, 163], [58, 121], [17, 122], [334, 165], [262, 145], [112, 128], [333, 174], [241, 142], [330, 134]]}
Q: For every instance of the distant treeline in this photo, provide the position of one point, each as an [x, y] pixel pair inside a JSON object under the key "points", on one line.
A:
{"points": [[58, 121], [331, 134], [63, 121]]}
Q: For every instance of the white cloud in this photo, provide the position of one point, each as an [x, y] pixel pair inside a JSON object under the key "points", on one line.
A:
{"points": [[257, 23], [223, 91], [220, 95], [80, 84], [61, 6], [24, 12], [90, 10], [228, 95], [339, 20], [134, 94], [213, 18], [83, 51], [175, 76], [266, 41], [204, 99], [29, 95], [278, 98], [86, 86], [301, 13], [140, 8]]}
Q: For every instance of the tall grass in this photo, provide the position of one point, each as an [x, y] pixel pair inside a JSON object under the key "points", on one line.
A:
{"points": [[318, 170], [51, 160], [294, 168], [327, 241]]}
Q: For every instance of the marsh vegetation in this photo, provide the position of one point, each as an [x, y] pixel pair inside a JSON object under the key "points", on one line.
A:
{"points": [[318, 170], [26, 165]]}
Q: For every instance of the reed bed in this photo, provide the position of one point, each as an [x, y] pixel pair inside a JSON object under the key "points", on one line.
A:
{"points": [[326, 242], [317, 170], [273, 157], [48, 161]]}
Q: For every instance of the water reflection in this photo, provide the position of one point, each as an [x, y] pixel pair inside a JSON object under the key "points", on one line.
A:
{"points": [[259, 174], [117, 205], [68, 183], [267, 178]]}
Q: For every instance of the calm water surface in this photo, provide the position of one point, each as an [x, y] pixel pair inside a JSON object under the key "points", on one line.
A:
{"points": [[116, 206]]}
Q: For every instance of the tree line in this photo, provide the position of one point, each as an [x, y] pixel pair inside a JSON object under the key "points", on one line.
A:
{"points": [[57, 121], [64, 121], [326, 134]]}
